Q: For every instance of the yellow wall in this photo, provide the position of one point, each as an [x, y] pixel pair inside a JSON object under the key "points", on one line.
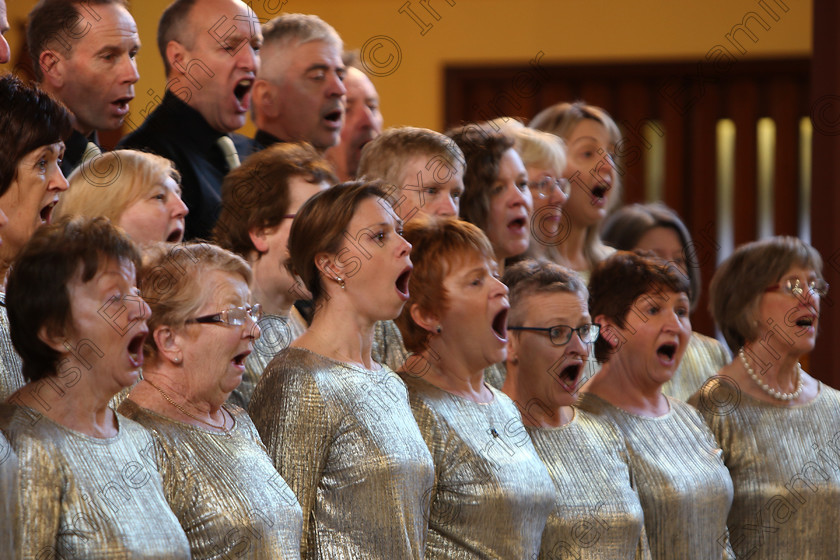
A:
{"points": [[498, 31]]}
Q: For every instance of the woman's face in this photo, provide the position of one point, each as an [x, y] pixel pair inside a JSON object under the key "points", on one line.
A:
{"points": [[652, 342], [31, 197], [591, 172], [373, 262], [788, 321], [549, 197], [508, 220], [554, 373], [108, 325], [157, 216], [214, 353], [665, 243], [475, 320]]}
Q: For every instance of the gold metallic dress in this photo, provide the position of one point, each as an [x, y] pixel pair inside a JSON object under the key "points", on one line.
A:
{"points": [[785, 466], [344, 439], [703, 358], [684, 487], [91, 498], [597, 514], [8, 496], [492, 494], [11, 376], [277, 332], [223, 488]]}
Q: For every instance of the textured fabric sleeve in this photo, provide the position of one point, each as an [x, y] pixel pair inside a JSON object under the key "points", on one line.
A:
{"points": [[40, 490]]}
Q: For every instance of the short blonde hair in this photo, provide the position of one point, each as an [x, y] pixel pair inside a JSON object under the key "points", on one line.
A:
{"points": [[172, 280], [540, 149], [740, 281], [107, 184]]}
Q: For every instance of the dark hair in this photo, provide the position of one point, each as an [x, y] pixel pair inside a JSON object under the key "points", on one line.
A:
{"points": [[438, 244], [171, 28], [321, 224], [256, 194], [626, 226], [29, 119], [483, 151], [618, 281], [37, 289], [55, 24], [530, 276], [740, 281]]}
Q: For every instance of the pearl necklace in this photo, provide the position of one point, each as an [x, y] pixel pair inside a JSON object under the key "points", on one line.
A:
{"points": [[769, 390], [179, 407]]}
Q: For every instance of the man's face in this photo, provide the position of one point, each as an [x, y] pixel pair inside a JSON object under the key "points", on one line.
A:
{"points": [[5, 53], [362, 123], [214, 74], [96, 81], [308, 93]]}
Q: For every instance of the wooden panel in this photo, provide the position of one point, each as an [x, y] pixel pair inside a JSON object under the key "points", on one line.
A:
{"points": [[633, 104], [742, 102], [783, 110]]}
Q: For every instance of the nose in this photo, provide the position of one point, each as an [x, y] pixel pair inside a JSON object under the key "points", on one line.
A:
{"points": [[4, 220], [5, 53], [499, 288], [130, 73], [366, 118], [446, 207], [521, 197], [336, 86], [576, 346], [255, 331], [248, 59], [404, 247], [58, 181], [558, 197], [179, 209]]}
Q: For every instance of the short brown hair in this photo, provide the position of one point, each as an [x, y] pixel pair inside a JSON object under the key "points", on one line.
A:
{"points": [[740, 281], [385, 157], [529, 277], [171, 27], [626, 226], [320, 226], [37, 294], [438, 244], [54, 24], [29, 119], [483, 151], [256, 194], [617, 283], [111, 182], [173, 281]]}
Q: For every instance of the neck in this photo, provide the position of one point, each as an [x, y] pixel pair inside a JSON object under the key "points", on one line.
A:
{"points": [[572, 248], [273, 299], [166, 387], [533, 408], [780, 372], [445, 366], [339, 333], [615, 385]]}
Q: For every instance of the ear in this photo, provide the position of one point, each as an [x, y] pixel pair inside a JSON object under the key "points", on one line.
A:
{"points": [[258, 238], [263, 94], [52, 338], [52, 68], [426, 320], [168, 343], [609, 330], [324, 263], [175, 55], [512, 347]]}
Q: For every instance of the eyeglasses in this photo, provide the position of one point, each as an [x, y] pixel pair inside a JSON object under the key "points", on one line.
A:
{"points": [[793, 287], [562, 334], [235, 316], [544, 186]]}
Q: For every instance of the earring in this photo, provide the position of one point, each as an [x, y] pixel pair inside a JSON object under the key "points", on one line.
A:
{"points": [[340, 281], [514, 360], [438, 329], [177, 360]]}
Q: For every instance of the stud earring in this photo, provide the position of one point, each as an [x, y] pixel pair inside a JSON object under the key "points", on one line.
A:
{"points": [[438, 329], [340, 281]]}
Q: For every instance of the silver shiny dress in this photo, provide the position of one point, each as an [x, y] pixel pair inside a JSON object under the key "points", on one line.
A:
{"points": [[91, 498], [11, 375], [277, 333], [223, 488], [702, 359], [492, 494], [597, 514], [345, 441], [8, 493], [388, 346], [785, 467], [684, 487]]}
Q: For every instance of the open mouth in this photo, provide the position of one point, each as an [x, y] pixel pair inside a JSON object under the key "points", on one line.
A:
{"points": [[176, 236], [667, 351], [239, 359], [598, 191], [334, 117], [499, 324], [806, 322], [135, 349], [402, 283], [121, 103], [242, 88], [570, 375], [46, 212], [518, 224]]}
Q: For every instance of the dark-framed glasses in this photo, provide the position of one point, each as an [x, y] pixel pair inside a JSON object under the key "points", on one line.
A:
{"points": [[562, 334], [793, 287], [544, 186], [235, 316]]}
